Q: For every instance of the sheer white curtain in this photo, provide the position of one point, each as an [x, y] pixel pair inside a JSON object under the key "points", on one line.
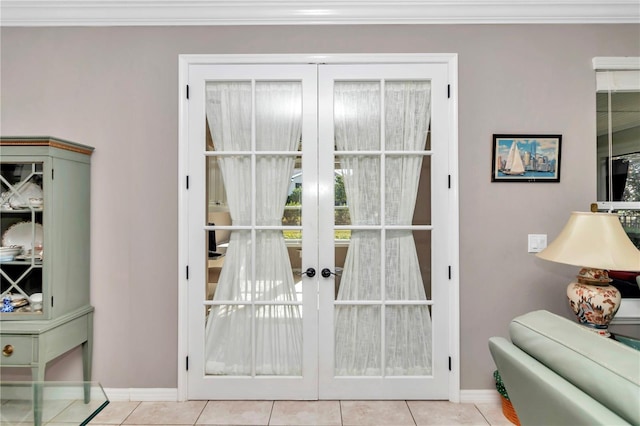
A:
{"points": [[358, 328], [278, 328], [408, 328]]}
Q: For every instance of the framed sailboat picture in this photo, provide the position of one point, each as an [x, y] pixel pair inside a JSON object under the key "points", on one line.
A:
{"points": [[526, 158]]}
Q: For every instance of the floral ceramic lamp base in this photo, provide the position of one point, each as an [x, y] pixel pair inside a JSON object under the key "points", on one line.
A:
{"points": [[594, 301]]}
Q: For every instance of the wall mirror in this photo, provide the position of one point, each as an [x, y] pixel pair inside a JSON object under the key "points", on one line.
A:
{"points": [[618, 160]]}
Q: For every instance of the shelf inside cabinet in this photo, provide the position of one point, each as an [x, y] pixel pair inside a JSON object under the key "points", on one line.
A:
{"points": [[35, 264]]}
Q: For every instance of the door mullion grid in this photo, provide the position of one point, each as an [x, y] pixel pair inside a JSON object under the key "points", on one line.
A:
{"points": [[401, 302], [257, 303], [383, 233], [236, 153], [387, 152], [253, 229], [376, 227], [317, 228]]}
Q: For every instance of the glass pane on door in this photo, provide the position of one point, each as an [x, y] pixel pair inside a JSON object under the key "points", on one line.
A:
{"points": [[408, 340], [382, 310], [253, 299], [408, 336], [407, 180]]}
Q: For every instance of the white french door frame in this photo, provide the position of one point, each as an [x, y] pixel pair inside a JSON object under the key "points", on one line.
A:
{"points": [[452, 199], [235, 387], [434, 385]]}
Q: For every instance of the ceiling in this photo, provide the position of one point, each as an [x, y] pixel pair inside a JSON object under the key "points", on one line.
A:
{"points": [[296, 12]]}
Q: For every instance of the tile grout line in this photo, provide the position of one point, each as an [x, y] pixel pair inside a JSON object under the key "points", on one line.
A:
{"points": [[201, 411], [131, 412], [482, 414], [411, 412], [273, 403]]}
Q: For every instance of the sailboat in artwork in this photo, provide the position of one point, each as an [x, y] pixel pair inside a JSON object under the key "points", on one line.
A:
{"points": [[514, 165]]}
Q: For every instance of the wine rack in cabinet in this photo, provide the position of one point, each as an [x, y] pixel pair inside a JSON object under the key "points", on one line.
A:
{"points": [[44, 258]]}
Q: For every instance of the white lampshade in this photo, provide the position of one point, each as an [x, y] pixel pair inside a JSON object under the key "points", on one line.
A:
{"points": [[595, 240]]}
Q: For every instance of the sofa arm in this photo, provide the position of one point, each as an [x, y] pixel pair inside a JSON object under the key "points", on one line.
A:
{"points": [[540, 396], [606, 370]]}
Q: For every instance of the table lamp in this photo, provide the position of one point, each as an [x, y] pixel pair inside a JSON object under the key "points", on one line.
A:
{"points": [[597, 243]]}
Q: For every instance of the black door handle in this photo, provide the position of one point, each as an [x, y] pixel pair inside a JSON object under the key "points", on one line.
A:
{"points": [[310, 272], [326, 273]]}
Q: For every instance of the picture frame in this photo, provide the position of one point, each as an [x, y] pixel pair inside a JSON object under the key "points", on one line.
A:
{"points": [[526, 158]]}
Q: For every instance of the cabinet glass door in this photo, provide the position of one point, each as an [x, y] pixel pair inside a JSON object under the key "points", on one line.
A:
{"points": [[22, 207]]}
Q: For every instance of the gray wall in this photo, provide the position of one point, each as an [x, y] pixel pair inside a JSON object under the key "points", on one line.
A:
{"points": [[117, 90]]}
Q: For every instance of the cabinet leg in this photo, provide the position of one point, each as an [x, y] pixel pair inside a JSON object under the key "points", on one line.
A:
{"points": [[87, 351], [87, 360], [37, 374]]}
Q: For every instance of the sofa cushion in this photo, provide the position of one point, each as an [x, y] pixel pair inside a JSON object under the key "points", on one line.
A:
{"points": [[606, 370]]}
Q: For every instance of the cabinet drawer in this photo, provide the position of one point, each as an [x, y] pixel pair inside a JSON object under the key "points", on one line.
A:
{"points": [[16, 350]]}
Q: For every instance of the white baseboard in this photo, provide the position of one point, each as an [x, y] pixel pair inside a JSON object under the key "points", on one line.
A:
{"points": [[142, 394], [480, 396], [475, 396]]}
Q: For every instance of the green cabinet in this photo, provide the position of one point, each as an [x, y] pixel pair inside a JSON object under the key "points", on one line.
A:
{"points": [[45, 258]]}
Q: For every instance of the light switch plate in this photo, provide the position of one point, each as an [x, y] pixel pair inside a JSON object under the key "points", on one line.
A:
{"points": [[537, 242]]}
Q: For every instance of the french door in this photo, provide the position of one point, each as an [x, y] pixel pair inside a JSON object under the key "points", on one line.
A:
{"points": [[317, 230]]}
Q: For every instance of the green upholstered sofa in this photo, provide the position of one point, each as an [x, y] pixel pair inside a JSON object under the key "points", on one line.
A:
{"points": [[557, 372]]}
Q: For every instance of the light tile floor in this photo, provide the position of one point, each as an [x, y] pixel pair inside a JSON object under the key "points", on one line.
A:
{"points": [[298, 413]]}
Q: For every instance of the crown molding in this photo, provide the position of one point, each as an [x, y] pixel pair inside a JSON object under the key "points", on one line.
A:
{"points": [[303, 12]]}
